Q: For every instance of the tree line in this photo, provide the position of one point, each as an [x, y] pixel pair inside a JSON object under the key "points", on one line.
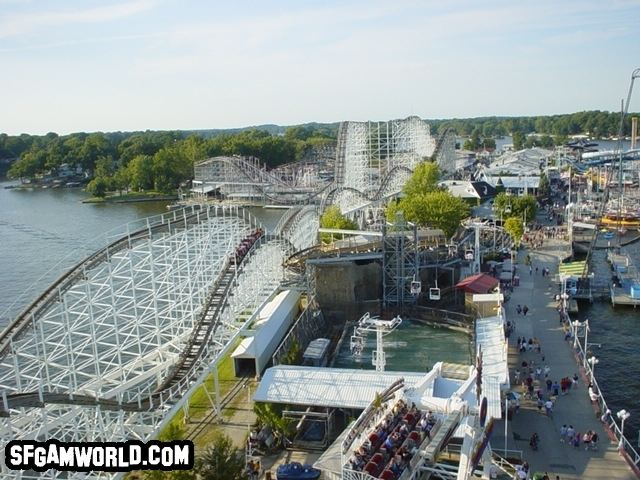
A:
{"points": [[596, 123], [167, 157], [158, 161]]}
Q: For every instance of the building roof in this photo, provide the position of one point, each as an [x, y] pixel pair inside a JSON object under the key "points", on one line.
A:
{"points": [[466, 189], [491, 340], [522, 162], [480, 283], [327, 387]]}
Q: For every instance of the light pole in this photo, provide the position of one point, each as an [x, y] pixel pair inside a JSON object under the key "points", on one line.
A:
{"points": [[575, 325], [622, 415], [248, 387], [593, 361], [586, 333], [506, 423]]}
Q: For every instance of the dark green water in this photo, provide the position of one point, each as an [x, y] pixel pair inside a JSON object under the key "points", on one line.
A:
{"points": [[411, 347]]}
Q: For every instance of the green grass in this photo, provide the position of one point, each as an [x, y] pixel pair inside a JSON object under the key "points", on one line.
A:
{"points": [[199, 404]]}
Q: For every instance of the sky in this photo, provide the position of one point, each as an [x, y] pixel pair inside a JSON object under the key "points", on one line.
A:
{"points": [[121, 65]]}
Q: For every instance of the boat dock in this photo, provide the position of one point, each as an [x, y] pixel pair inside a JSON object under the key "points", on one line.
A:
{"points": [[625, 289]]}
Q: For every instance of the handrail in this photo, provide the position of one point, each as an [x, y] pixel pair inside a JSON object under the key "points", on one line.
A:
{"points": [[503, 464], [627, 447]]}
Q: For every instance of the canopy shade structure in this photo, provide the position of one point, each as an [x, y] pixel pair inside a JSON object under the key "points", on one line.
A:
{"points": [[572, 269]]}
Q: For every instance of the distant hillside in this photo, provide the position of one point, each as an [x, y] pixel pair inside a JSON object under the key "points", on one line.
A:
{"points": [[270, 128]]}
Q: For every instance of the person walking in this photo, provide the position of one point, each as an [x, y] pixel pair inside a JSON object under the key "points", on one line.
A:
{"points": [[570, 434], [576, 440], [548, 406], [563, 433], [525, 309], [518, 309]]}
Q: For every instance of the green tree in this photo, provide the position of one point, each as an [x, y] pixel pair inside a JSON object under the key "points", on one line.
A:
{"points": [[333, 218], [99, 186], [221, 461], [121, 179], [437, 209], [170, 167], [424, 179], [506, 205], [515, 229], [270, 415], [544, 187], [489, 143], [140, 172], [294, 354], [518, 140], [29, 165]]}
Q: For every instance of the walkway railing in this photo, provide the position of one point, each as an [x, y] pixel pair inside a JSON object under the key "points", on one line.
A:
{"points": [[626, 448], [454, 319]]}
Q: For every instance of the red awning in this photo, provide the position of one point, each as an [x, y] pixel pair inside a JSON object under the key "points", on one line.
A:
{"points": [[480, 283]]}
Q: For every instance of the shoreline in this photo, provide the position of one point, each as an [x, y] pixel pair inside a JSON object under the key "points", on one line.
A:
{"points": [[118, 199]]}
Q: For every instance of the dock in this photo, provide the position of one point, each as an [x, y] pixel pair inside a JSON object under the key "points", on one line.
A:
{"points": [[625, 289], [620, 296], [582, 241]]}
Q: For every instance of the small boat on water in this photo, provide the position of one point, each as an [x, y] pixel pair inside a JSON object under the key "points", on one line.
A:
{"points": [[297, 471]]}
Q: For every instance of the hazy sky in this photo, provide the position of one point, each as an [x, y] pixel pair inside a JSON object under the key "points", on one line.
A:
{"points": [[87, 65]]}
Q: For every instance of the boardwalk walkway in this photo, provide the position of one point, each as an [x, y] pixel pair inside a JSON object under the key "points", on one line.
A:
{"points": [[575, 408]]}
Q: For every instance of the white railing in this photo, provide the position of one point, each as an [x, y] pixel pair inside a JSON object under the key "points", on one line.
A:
{"points": [[625, 447]]}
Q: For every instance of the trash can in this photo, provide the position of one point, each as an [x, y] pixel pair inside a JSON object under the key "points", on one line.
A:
{"points": [[516, 280]]}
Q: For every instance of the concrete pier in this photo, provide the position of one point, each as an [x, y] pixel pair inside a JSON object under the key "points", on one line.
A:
{"points": [[575, 408]]}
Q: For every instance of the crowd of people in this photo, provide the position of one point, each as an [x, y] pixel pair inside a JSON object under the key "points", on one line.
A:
{"points": [[541, 389], [387, 451], [535, 238]]}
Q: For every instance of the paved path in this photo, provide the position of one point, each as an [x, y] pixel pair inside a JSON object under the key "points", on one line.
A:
{"points": [[575, 408]]}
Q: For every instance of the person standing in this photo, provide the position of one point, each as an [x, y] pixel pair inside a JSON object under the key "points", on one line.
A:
{"points": [[563, 433], [525, 309]]}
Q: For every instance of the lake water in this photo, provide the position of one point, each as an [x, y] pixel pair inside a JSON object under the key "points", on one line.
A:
{"points": [[45, 231]]}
